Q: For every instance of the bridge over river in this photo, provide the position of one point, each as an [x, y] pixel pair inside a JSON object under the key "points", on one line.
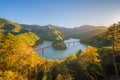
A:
{"points": [[67, 43], [45, 50]]}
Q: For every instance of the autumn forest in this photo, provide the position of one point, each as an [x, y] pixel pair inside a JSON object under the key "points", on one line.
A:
{"points": [[19, 61]]}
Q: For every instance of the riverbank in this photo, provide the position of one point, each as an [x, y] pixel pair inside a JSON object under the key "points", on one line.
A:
{"points": [[51, 53]]}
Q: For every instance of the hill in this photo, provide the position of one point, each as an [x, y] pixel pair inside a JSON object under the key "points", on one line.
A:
{"points": [[9, 27], [27, 33], [48, 32], [82, 32], [97, 41], [42, 31], [18, 61], [88, 34], [89, 31], [92, 36]]}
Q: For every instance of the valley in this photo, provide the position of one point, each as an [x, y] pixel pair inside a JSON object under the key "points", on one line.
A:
{"points": [[60, 40], [70, 53]]}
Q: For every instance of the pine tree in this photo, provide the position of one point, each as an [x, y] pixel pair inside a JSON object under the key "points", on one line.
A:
{"points": [[113, 34]]}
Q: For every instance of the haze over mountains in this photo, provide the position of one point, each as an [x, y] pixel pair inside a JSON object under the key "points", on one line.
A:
{"points": [[82, 32], [87, 34]]}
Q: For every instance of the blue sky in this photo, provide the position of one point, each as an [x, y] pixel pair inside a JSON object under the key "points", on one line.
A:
{"points": [[66, 13]]}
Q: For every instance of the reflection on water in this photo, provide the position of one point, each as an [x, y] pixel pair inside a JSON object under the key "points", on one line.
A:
{"points": [[51, 53]]}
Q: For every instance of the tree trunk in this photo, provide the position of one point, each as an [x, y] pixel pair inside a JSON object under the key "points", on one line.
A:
{"points": [[114, 61]]}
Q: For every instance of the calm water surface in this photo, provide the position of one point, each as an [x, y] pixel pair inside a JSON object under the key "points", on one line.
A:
{"points": [[51, 53]]}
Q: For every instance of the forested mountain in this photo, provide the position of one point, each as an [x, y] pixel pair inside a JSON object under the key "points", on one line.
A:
{"points": [[9, 27], [82, 32], [28, 33], [97, 41], [100, 40], [18, 61], [42, 31], [87, 34], [88, 31], [48, 32], [16, 53]]}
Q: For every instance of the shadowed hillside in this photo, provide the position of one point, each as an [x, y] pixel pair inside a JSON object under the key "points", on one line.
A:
{"points": [[82, 32]]}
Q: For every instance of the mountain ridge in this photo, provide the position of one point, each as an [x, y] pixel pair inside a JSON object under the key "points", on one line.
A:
{"points": [[77, 32]]}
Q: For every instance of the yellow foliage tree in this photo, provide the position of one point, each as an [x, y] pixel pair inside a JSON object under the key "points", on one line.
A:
{"points": [[15, 55], [59, 77], [90, 55], [90, 64]]}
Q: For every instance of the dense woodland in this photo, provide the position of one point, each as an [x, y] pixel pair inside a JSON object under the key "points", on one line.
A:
{"points": [[18, 60], [82, 32], [87, 34]]}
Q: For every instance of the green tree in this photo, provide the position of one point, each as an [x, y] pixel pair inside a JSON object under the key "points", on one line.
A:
{"points": [[90, 64], [113, 34]]}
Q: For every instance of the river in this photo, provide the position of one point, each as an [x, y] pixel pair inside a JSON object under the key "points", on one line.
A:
{"points": [[51, 53]]}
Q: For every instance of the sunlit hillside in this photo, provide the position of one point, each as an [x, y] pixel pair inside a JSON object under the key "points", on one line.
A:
{"points": [[59, 39], [19, 61]]}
